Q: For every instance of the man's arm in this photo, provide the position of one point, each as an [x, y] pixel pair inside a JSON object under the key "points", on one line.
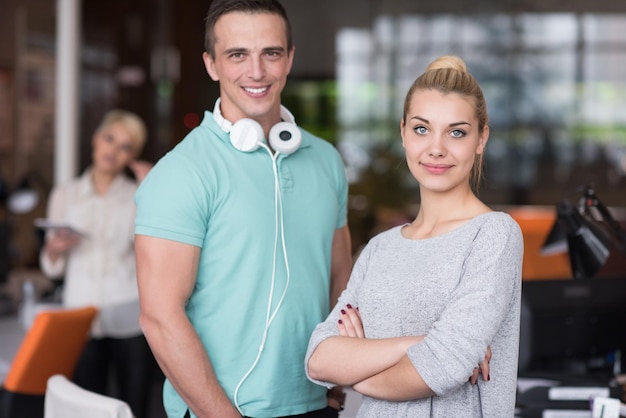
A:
{"points": [[341, 263], [166, 274]]}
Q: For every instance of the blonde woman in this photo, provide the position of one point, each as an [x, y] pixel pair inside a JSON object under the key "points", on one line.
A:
{"points": [[98, 263], [427, 298]]}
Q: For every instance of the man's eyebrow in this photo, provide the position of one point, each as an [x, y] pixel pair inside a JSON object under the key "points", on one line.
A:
{"points": [[274, 49], [240, 50], [235, 51]]}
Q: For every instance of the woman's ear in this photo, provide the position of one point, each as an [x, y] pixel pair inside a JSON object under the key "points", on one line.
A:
{"points": [[402, 131], [482, 141]]}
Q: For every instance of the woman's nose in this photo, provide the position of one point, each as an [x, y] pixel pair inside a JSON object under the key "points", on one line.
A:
{"points": [[436, 148]]}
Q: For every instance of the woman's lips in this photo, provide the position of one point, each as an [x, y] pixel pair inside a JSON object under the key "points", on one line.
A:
{"points": [[436, 168]]}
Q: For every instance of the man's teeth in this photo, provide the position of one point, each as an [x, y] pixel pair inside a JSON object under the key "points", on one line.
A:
{"points": [[255, 91]]}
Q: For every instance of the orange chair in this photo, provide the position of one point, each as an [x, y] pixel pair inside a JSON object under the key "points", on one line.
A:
{"points": [[536, 223], [51, 346]]}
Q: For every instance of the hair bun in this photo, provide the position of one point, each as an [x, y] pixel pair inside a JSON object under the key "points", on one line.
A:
{"points": [[448, 61]]}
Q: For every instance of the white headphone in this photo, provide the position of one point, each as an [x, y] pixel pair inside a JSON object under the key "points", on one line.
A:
{"points": [[246, 134]]}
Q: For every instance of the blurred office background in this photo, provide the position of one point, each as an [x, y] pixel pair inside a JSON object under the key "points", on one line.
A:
{"points": [[553, 73]]}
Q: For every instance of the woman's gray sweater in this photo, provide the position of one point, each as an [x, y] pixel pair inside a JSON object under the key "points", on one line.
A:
{"points": [[462, 291]]}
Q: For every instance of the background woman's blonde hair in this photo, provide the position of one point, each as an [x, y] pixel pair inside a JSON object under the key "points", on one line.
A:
{"points": [[448, 74], [131, 121]]}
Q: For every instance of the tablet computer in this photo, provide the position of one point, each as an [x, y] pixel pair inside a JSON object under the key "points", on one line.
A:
{"points": [[47, 224]]}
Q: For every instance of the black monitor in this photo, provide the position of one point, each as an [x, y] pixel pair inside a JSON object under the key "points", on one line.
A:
{"points": [[573, 326]]}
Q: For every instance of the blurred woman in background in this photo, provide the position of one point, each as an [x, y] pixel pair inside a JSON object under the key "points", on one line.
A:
{"points": [[95, 257]]}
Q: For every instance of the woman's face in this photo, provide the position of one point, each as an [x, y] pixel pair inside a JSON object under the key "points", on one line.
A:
{"points": [[441, 139], [113, 148]]}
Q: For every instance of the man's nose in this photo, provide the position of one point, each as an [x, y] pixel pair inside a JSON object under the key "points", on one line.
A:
{"points": [[256, 71]]}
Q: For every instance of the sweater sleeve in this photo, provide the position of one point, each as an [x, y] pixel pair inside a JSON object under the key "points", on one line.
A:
{"points": [[484, 299], [350, 295]]}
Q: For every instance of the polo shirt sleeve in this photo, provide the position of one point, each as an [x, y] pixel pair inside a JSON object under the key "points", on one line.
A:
{"points": [[172, 202]]}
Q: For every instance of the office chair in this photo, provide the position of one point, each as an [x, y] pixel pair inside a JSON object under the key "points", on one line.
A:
{"points": [[52, 345]]}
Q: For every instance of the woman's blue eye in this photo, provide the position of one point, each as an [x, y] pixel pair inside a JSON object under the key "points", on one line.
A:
{"points": [[457, 133], [421, 129]]}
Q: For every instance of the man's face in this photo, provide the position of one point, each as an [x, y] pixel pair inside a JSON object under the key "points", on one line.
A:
{"points": [[251, 64]]}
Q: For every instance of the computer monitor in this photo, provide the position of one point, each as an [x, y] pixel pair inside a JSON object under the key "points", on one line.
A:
{"points": [[573, 326]]}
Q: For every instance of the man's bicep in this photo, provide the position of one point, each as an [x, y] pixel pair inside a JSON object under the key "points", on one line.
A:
{"points": [[341, 263], [166, 271]]}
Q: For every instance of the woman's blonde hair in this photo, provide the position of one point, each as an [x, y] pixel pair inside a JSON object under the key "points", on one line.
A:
{"points": [[448, 74], [131, 121]]}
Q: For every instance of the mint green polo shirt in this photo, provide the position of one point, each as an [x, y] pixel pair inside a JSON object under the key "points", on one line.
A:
{"points": [[206, 193]]}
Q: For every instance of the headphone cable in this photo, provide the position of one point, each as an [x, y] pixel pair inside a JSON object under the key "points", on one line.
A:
{"points": [[270, 316]]}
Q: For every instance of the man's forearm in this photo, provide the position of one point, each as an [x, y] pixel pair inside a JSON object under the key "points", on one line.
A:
{"points": [[184, 361]]}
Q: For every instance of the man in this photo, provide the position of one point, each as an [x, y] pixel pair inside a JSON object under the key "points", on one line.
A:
{"points": [[242, 242]]}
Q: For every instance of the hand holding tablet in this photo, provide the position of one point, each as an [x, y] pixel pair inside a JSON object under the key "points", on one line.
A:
{"points": [[59, 226]]}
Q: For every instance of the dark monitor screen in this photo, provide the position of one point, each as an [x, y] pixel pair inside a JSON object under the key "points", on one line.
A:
{"points": [[572, 325]]}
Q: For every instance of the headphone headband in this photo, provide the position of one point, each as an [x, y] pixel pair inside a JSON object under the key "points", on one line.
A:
{"points": [[247, 135]]}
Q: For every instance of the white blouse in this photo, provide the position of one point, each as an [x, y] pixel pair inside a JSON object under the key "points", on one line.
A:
{"points": [[100, 270]]}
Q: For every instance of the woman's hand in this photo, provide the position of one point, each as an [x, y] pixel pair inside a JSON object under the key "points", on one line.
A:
{"points": [[140, 169], [482, 369], [60, 242], [349, 324]]}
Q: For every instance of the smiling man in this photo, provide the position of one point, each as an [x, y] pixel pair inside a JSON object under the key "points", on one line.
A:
{"points": [[241, 231]]}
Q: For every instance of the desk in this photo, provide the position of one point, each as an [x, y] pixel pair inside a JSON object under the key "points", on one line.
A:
{"points": [[11, 335]]}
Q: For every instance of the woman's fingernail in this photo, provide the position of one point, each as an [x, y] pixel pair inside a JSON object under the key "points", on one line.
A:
{"points": [[343, 312], [340, 322], [349, 306], [488, 377]]}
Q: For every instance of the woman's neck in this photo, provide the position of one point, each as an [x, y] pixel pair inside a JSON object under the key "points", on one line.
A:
{"points": [[442, 212], [102, 181]]}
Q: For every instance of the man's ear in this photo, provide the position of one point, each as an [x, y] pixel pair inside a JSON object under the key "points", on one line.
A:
{"points": [[209, 64], [291, 54]]}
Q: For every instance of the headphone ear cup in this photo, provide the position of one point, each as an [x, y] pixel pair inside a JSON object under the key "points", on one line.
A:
{"points": [[285, 137], [246, 134]]}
